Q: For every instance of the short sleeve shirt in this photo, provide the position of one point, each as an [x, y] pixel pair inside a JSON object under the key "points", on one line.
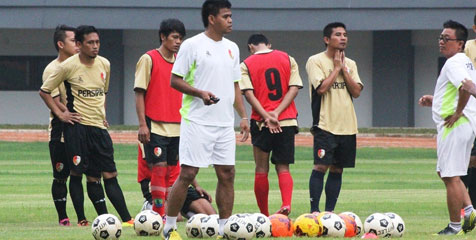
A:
{"points": [[446, 95], [57, 92], [337, 114], [86, 88], [212, 66]]}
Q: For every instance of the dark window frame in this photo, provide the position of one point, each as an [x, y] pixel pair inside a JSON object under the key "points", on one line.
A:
{"points": [[22, 73]]}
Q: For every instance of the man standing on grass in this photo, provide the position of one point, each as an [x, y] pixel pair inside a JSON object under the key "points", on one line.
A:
{"points": [[207, 71], [333, 83], [157, 106], [65, 44], [88, 144], [454, 114], [270, 81]]}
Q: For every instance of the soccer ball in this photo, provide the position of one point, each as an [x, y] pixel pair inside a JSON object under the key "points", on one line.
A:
{"points": [[210, 226], [281, 225], [358, 222], [262, 225], [239, 227], [332, 225], [193, 225], [307, 225], [350, 225], [148, 223], [378, 224], [106, 226], [398, 224]]}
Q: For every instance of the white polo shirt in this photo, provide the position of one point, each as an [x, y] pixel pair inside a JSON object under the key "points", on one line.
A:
{"points": [[211, 66], [445, 98]]}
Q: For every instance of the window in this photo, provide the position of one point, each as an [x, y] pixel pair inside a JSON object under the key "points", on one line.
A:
{"points": [[22, 73]]}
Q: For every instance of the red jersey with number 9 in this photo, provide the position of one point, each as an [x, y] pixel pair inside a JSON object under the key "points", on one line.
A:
{"points": [[270, 73]]}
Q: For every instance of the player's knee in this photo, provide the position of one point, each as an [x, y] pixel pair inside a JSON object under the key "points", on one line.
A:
{"points": [[335, 169], [108, 175], [60, 180], [321, 168], [225, 173], [187, 175], [282, 168]]}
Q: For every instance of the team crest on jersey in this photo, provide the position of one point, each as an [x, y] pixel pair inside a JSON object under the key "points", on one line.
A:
{"points": [[231, 54], [103, 76], [76, 160], [321, 153], [157, 151], [59, 167]]}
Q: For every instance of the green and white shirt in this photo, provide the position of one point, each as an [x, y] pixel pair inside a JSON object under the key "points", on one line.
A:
{"points": [[212, 66], [445, 98]]}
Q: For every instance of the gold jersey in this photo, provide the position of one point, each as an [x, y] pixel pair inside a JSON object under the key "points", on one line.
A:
{"points": [[470, 50], [336, 112], [142, 79], [86, 88], [57, 92]]}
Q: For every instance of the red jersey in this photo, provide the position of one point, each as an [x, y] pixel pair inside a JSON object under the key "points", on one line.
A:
{"points": [[270, 74], [162, 102]]}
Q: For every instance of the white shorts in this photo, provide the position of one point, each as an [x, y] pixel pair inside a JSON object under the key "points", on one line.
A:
{"points": [[203, 145], [453, 149]]}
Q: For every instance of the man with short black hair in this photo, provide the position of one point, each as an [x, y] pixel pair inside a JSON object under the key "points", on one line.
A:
{"points": [[65, 45], [454, 113], [88, 144], [207, 71], [333, 83], [270, 82]]}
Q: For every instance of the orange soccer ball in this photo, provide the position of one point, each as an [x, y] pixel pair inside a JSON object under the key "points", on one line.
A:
{"points": [[350, 225], [281, 226]]}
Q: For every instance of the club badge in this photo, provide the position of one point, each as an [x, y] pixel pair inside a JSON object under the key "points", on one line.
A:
{"points": [[157, 151], [59, 167], [321, 153], [76, 160]]}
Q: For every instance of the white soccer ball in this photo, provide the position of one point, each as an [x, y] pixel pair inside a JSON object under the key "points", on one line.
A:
{"points": [[398, 224], [193, 226], [262, 225], [239, 227], [148, 223], [358, 222], [378, 224], [332, 225], [209, 226], [106, 226]]}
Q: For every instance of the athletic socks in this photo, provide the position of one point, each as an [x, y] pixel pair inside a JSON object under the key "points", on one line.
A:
{"points": [[472, 184], [115, 195], [455, 225], [333, 185], [170, 223], [77, 196], [144, 187], [158, 188], [468, 210], [262, 191], [221, 225], [59, 193], [173, 173], [316, 184], [96, 194], [286, 188]]}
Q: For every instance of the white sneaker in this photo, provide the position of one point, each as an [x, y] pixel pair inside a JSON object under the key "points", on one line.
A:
{"points": [[146, 206]]}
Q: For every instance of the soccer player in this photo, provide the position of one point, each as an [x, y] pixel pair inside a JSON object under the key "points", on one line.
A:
{"points": [[65, 45], [207, 71], [270, 81], [88, 144], [333, 83], [157, 106], [454, 114]]}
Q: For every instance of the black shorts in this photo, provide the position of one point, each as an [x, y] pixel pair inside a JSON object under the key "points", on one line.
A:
{"points": [[280, 144], [473, 150], [192, 195], [337, 150], [59, 161], [89, 149], [162, 149]]}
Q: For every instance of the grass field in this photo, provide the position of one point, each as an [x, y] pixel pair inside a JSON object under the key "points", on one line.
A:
{"points": [[398, 180]]}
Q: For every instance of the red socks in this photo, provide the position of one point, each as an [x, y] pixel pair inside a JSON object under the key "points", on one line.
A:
{"points": [[261, 192], [286, 187], [158, 189]]}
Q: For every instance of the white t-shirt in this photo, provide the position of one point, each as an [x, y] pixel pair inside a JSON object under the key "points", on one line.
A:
{"points": [[211, 66], [445, 98]]}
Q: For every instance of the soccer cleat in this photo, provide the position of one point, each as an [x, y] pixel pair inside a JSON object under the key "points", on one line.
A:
{"points": [[146, 206], [129, 223], [171, 235], [450, 231], [469, 222], [220, 237], [83, 223], [285, 210], [65, 222]]}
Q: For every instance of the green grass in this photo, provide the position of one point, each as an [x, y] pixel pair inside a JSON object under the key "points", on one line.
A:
{"points": [[397, 180]]}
